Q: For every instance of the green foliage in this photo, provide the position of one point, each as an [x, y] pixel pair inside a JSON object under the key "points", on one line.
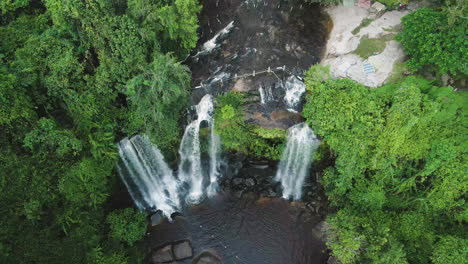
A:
{"points": [[393, 3], [165, 82], [175, 25], [86, 184], [317, 74], [372, 46], [238, 135], [47, 138], [11, 5], [456, 10], [435, 44], [98, 257], [127, 225], [364, 23], [399, 176], [450, 250], [16, 105], [75, 77]]}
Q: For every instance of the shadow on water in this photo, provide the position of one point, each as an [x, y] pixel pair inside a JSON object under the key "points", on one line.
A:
{"points": [[245, 230]]}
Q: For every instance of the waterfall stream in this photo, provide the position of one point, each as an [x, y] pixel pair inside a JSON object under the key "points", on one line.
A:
{"points": [[150, 181], [296, 160], [190, 167], [294, 88], [148, 178]]}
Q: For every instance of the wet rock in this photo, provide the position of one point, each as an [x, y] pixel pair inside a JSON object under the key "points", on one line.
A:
{"points": [[332, 260], [238, 194], [242, 86], [252, 99], [321, 230], [157, 218], [182, 250], [269, 193], [250, 182], [238, 181], [162, 255], [207, 258], [281, 119]]}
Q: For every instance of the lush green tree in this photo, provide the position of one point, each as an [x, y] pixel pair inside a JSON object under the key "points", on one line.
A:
{"points": [[16, 104], [72, 74], [157, 98], [47, 139], [450, 250], [398, 180], [174, 24], [11, 5], [127, 225], [434, 43]]}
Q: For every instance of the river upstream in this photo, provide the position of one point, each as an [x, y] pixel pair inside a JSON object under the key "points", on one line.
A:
{"points": [[261, 48]]}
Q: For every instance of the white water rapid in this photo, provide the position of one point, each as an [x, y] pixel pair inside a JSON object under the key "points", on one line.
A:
{"points": [[266, 95], [190, 167], [148, 178], [296, 160], [294, 88], [151, 182]]}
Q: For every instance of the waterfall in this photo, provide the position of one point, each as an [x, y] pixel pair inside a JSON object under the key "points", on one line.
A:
{"points": [[190, 167], [266, 95], [151, 182], [296, 160], [294, 90], [213, 42], [146, 175], [215, 149]]}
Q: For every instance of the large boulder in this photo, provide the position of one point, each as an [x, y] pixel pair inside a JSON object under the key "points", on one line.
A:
{"points": [[182, 250], [281, 119], [163, 255]]}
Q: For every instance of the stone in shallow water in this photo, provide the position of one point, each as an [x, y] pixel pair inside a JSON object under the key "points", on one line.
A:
{"points": [[238, 181], [207, 258], [163, 255], [157, 218], [250, 182], [182, 250]]}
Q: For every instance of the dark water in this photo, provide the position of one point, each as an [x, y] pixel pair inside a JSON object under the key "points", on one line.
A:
{"points": [[265, 33], [246, 230]]}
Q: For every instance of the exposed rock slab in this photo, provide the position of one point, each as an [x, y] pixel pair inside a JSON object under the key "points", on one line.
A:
{"points": [[384, 24], [281, 119], [345, 19], [342, 42], [351, 65]]}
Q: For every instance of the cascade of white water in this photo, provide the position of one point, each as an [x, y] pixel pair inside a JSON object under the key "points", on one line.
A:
{"points": [[266, 95], [190, 167], [215, 149], [296, 160], [151, 182], [294, 90], [211, 44], [146, 175]]}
